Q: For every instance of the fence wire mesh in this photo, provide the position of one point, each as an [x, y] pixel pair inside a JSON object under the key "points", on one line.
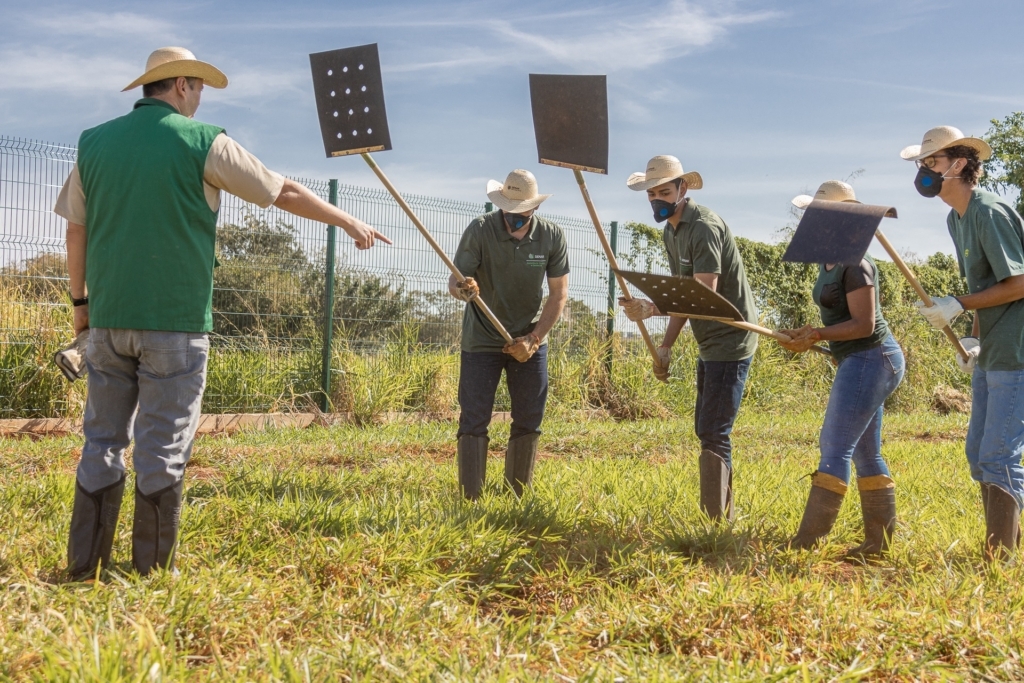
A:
{"points": [[269, 289]]}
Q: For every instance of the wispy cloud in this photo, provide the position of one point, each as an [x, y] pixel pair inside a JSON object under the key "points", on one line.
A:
{"points": [[102, 24], [63, 72]]}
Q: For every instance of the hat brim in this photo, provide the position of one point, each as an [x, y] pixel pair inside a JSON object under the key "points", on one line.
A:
{"points": [[638, 182], [802, 201], [916, 153], [189, 68], [512, 205]]}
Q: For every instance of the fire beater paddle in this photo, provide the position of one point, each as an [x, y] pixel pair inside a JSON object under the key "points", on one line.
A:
{"points": [[350, 103], [687, 297], [570, 119], [840, 232]]}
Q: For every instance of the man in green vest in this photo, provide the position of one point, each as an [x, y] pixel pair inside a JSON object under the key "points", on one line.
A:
{"points": [[141, 205], [699, 245]]}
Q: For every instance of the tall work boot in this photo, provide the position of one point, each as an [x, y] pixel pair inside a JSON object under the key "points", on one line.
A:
{"points": [[878, 505], [823, 505], [715, 486], [93, 524], [519, 460], [155, 528], [1002, 523], [984, 503], [472, 461]]}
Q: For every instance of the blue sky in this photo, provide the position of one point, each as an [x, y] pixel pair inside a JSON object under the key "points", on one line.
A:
{"points": [[765, 99]]}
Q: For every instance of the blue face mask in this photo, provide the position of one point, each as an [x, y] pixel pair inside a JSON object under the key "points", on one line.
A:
{"points": [[515, 221], [662, 209]]}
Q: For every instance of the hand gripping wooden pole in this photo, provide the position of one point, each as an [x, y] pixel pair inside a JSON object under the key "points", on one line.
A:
{"points": [[751, 327], [614, 263], [907, 273], [433, 243]]}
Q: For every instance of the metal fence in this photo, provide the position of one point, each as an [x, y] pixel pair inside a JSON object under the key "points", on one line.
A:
{"points": [[270, 286]]}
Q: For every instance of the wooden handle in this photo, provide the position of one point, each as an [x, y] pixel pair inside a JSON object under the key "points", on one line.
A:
{"points": [[612, 261], [751, 327], [433, 243], [907, 273]]}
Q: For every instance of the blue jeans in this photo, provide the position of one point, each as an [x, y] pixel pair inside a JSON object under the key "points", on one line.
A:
{"points": [[163, 375], [527, 382], [853, 419], [719, 392], [995, 436]]}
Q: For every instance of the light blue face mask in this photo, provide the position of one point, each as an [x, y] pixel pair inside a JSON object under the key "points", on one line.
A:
{"points": [[515, 221]]}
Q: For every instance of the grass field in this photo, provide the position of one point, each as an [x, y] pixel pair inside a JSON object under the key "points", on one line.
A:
{"points": [[346, 554]]}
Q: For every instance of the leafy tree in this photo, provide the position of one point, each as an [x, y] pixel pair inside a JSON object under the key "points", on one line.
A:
{"points": [[1005, 169]]}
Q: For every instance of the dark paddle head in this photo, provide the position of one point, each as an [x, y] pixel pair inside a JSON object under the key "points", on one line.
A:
{"points": [[835, 232], [683, 295], [350, 100], [570, 119]]}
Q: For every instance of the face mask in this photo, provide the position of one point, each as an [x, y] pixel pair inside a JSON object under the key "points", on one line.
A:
{"points": [[515, 221], [929, 182], [662, 209]]}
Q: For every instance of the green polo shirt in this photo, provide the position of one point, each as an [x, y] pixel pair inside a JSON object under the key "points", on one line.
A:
{"points": [[702, 243], [990, 248], [511, 276]]}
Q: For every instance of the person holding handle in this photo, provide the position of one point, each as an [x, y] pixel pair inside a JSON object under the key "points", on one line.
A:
{"points": [[870, 367], [988, 235]]}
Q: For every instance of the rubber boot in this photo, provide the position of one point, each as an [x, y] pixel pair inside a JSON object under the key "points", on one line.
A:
{"points": [[155, 528], [519, 460], [715, 486], [472, 461], [823, 505], [878, 506], [1002, 523], [984, 503], [93, 524]]}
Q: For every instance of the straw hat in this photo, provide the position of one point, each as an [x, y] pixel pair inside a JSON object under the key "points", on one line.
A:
{"points": [[829, 191], [518, 194], [943, 137], [171, 62], [660, 170]]}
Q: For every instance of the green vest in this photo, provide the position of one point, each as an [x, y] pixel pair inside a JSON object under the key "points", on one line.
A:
{"points": [[150, 233], [839, 311]]}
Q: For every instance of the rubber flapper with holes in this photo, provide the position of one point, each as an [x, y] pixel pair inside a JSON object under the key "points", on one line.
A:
{"points": [[350, 102]]}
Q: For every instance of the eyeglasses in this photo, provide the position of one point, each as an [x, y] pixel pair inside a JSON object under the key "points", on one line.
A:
{"points": [[929, 162]]}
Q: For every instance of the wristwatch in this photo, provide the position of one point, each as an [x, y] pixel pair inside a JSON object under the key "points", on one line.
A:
{"points": [[84, 301]]}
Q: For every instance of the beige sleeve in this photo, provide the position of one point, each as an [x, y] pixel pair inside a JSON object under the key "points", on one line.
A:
{"points": [[71, 200], [231, 168]]}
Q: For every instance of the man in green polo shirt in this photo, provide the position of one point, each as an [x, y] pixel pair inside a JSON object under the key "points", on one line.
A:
{"points": [[700, 245], [988, 234], [141, 205], [506, 255]]}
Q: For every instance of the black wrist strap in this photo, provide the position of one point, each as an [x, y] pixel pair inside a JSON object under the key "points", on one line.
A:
{"points": [[84, 301]]}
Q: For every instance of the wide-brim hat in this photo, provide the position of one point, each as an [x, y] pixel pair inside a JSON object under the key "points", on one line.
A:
{"points": [[943, 137], [830, 191], [660, 170], [517, 194], [172, 62]]}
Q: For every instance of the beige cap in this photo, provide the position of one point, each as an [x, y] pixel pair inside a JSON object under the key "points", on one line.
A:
{"points": [[518, 194], [943, 137], [660, 170], [172, 62], [829, 191]]}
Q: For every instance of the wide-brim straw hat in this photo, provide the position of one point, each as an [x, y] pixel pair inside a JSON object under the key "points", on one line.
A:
{"points": [[829, 191], [943, 137], [517, 194], [172, 62], [660, 170]]}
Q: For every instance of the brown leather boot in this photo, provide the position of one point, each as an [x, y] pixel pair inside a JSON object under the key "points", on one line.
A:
{"points": [[823, 503]]}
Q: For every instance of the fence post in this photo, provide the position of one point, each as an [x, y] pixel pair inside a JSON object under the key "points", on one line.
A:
{"points": [[325, 367], [610, 322]]}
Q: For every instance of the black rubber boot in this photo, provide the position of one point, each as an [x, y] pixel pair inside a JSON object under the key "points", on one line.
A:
{"points": [[878, 506], [472, 461], [93, 524], [822, 509], [519, 460], [1002, 524], [715, 486], [155, 528]]}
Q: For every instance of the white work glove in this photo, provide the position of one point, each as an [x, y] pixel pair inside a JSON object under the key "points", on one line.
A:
{"points": [[467, 290], [71, 361], [662, 364], [638, 309], [973, 347], [944, 310]]}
